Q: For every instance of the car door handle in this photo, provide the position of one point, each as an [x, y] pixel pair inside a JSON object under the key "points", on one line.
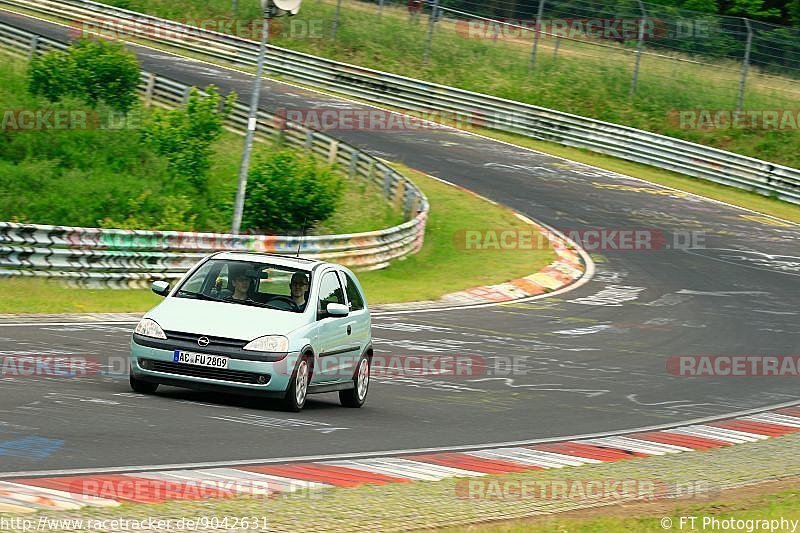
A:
{"points": [[349, 329]]}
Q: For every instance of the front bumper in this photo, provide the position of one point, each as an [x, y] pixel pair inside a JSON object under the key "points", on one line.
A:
{"points": [[263, 378]]}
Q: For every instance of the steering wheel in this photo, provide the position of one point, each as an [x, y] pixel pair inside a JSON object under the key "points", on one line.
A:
{"points": [[293, 305]]}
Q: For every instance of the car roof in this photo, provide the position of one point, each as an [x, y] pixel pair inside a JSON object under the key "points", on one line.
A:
{"points": [[301, 263]]}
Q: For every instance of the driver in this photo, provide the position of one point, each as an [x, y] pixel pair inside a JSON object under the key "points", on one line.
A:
{"points": [[298, 287]]}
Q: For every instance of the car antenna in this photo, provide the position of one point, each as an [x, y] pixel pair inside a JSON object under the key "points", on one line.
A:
{"points": [[302, 236]]}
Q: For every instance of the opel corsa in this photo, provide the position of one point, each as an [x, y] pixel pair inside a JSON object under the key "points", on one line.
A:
{"points": [[259, 324]]}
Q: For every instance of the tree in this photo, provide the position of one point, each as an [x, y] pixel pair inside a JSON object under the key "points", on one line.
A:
{"points": [[185, 135], [286, 191], [93, 70]]}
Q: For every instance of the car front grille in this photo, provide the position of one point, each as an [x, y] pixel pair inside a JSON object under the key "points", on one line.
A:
{"points": [[223, 374], [213, 341]]}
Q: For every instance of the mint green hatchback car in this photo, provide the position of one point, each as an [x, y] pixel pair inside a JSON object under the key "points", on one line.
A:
{"points": [[259, 324]]}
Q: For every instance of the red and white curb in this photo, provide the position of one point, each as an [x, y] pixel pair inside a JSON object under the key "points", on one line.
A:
{"points": [[570, 265], [68, 492]]}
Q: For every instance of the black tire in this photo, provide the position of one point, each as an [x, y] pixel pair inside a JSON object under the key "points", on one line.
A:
{"points": [[356, 396], [296, 394], [142, 387]]}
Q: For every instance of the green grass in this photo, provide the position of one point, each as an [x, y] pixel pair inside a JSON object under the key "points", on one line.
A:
{"points": [[582, 79], [440, 267], [770, 506], [28, 295]]}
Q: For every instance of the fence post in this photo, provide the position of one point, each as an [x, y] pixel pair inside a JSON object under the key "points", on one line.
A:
{"points": [[148, 89], [309, 143], [745, 66], [336, 20], [234, 6], [380, 8], [556, 47], [387, 184], [639, 45], [431, 22], [353, 164], [536, 34], [34, 47], [333, 152]]}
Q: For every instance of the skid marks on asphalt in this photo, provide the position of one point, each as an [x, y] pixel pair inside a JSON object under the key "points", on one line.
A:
{"points": [[284, 424]]}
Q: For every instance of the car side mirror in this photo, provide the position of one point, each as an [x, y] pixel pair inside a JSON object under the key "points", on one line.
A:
{"points": [[160, 287], [337, 310]]}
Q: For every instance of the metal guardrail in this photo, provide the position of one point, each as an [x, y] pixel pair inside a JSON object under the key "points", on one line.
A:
{"points": [[130, 258], [411, 94]]}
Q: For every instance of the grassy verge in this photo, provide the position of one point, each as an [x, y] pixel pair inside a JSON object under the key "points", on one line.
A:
{"points": [[440, 267], [580, 79], [648, 518]]}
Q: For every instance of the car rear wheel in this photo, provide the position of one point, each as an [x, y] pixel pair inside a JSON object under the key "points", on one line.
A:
{"points": [[356, 396], [295, 397], [142, 387]]}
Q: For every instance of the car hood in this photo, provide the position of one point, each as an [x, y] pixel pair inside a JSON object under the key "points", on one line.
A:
{"points": [[221, 319]]}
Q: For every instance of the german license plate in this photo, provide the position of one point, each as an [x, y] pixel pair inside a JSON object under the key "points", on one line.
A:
{"points": [[200, 359]]}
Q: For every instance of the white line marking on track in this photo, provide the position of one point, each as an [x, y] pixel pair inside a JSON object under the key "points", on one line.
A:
{"points": [[674, 427]]}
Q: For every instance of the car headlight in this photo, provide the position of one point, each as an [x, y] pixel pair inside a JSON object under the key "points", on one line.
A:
{"points": [[149, 328], [270, 343]]}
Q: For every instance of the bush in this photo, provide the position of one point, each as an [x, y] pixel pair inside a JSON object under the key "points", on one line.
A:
{"points": [[93, 70], [286, 191], [186, 135]]}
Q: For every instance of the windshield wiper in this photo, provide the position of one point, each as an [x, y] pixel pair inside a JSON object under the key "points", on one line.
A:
{"points": [[198, 295]]}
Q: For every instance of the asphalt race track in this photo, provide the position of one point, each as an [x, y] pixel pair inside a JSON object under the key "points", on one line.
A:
{"points": [[594, 359]]}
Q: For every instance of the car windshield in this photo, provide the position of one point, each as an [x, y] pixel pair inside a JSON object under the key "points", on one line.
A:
{"points": [[248, 283]]}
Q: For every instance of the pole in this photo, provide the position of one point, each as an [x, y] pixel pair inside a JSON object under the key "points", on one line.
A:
{"points": [[251, 128], [380, 8], [536, 34], [745, 66], [639, 45], [431, 22], [234, 6], [336, 20]]}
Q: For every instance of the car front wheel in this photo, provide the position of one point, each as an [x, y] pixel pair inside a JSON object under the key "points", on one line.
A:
{"points": [[296, 394], [356, 396], [142, 387]]}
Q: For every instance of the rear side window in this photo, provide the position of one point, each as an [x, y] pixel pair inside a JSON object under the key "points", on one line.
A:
{"points": [[353, 294], [330, 291]]}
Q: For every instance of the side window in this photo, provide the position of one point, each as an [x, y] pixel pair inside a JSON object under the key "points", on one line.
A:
{"points": [[330, 291], [353, 294]]}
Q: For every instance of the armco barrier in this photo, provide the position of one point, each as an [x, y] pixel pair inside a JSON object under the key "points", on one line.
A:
{"points": [[124, 258], [416, 95]]}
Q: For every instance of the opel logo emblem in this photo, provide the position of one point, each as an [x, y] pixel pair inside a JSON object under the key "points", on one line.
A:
{"points": [[203, 341]]}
